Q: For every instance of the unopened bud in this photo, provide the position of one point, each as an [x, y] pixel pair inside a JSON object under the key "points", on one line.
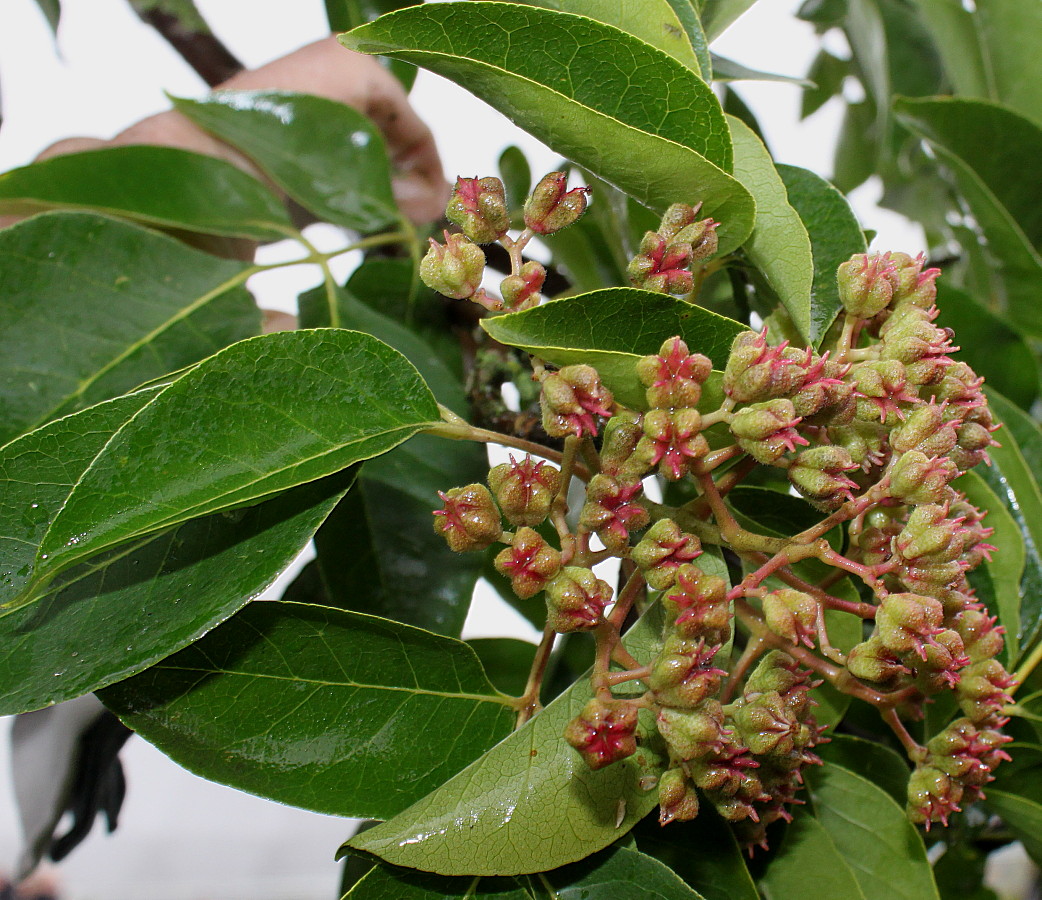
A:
{"points": [[529, 562], [571, 398], [916, 479], [453, 268], [766, 431], [677, 797], [576, 600], [552, 206], [672, 440], [522, 290], [683, 675], [612, 512], [817, 473], [524, 490], [604, 732], [662, 551], [478, 206], [691, 733], [865, 288], [470, 520], [791, 614]]}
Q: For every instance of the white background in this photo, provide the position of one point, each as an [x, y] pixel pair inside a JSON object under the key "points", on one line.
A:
{"points": [[182, 838]]}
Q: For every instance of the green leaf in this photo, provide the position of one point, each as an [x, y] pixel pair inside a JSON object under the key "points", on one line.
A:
{"points": [[997, 583], [872, 834], [835, 236], [255, 419], [779, 246], [118, 306], [491, 819], [327, 156], [635, 117], [333, 711], [615, 874], [119, 614], [52, 11], [991, 345], [164, 187], [728, 70], [807, 857], [983, 144], [611, 329], [346, 14], [1014, 481], [687, 12], [398, 566], [516, 174], [1010, 32], [506, 662], [880, 765], [703, 852], [717, 15], [827, 73], [953, 28], [653, 21]]}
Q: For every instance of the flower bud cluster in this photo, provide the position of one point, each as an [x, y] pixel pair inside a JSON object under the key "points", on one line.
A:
{"points": [[478, 207], [666, 256], [873, 433]]}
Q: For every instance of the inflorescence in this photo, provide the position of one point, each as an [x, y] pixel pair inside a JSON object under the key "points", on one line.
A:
{"points": [[871, 432]]}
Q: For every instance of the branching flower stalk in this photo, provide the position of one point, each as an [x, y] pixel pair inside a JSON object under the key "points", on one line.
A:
{"points": [[871, 432]]}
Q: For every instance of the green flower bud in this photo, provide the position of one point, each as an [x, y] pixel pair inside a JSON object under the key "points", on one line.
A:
{"points": [[907, 622], [522, 290], [612, 512], [792, 615], [552, 206], [872, 661], [604, 732], [683, 675], [470, 520], [576, 600], [924, 429], [865, 288], [571, 398], [917, 479], [817, 473], [766, 431], [525, 490], [529, 562], [663, 549], [677, 797], [932, 796], [693, 733], [672, 441], [478, 207], [455, 268]]}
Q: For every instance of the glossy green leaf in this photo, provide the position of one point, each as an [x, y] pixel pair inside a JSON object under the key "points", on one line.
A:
{"points": [[807, 856], [779, 246], [879, 764], [717, 15], [93, 307], [835, 235], [687, 12], [329, 710], [38, 470], [635, 117], [614, 874], [611, 329], [163, 187], [704, 852], [251, 421], [346, 14], [113, 617], [516, 174], [728, 70], [1016, 795], [377, 553], [491, 819], [983, 143], [990, 344], [873, 835], [1014, 481], [327, 156], [506, 662], [653, 21], [997, 582]]}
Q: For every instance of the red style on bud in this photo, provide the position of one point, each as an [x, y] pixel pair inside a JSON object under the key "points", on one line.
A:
{"points": [[873, 661], [525, 490], [570, 399], [677, 797], [906, 622], [683, 675], [756, 371], [692, 733], [478, 206], [674, 377], [453, 268], [552, 206], [932, 796], [529, 562], [792, 615], [865, 284], [766, 431], [917, 479], [611, 511], [521, 291], [817, 474], [662, 551], [661, 267], [604, 732], [700, 608], [925, 429], [576, 600], [470, 520], [672, 440], [880, 388]]}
